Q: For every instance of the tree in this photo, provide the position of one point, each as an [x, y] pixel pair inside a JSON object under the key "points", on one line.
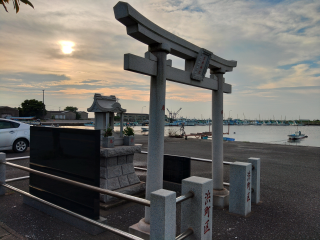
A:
{"points": [[73, 109], [16, 4], [32, 107]]}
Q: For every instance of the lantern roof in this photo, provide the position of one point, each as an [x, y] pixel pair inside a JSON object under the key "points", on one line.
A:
{"points": [[105, 104]]}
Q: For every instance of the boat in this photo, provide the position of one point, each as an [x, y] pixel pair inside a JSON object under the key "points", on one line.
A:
{"points": [[297, 124], [297, 135], [144, 129], [228, 139], [89, 124]]}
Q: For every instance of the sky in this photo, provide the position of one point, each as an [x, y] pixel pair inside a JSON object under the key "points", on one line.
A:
{"points": [[74, 49]]}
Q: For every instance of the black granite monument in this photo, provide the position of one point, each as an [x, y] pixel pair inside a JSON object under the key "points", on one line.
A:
{"points": [[176, 168], [69, 153]]}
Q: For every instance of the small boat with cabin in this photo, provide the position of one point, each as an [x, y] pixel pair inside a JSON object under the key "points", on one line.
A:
{"points": [[143, 129], [297, 135]]}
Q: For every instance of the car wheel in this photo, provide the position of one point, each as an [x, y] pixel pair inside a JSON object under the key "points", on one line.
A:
{"points": [[20, 146]]}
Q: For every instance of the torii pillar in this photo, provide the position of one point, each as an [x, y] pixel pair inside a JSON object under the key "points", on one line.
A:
{"points": [[220, 194]]}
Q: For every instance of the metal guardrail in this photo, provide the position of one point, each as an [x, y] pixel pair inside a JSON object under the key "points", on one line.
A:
{"points": [[86, 186], [145, 169], [197, 159], [185, 234], [184, 197], [17, 158], [105, 191], [17, 179], [104, 226], [126, 235]]}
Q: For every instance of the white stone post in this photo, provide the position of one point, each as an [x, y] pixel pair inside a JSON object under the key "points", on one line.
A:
{"points": [[196, 212], [240, 188], [121, 124], [255, 185], [2, 173], [220, 194], [156, 124], [163, 215]]}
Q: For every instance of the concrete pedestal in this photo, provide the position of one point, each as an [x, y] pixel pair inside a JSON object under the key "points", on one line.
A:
{"points": [[220, 198], [117, 171], [140, 229]]}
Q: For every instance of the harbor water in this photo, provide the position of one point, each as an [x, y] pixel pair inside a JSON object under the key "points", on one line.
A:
{"points": [[251, 133]]}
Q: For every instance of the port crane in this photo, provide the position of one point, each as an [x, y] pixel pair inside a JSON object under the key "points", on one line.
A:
{"points": [[173, 115]]}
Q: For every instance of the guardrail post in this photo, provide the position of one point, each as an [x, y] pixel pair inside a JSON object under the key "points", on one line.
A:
{"points": [[240, 188], [2, 173], [255, 195], [196, 212], [162, 215]]}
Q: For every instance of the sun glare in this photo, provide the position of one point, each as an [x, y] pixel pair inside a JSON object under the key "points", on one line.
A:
{"points": [[66, 47]]}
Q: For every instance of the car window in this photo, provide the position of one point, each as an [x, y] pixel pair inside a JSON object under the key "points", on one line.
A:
{"points": [[5, 124], [15, 125]]}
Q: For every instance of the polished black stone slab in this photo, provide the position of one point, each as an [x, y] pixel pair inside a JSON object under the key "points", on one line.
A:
{"points": [[69, 153], [176, 168]]}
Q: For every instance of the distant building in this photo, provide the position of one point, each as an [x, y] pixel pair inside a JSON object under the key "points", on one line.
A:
{"points": [[135, 117], [83, 115], [8, 112], [61, 115], [66, 115]]}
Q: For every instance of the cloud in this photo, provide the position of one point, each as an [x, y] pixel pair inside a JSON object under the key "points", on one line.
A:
{"points": [[91, 81], [32, 77], [276, 44]]}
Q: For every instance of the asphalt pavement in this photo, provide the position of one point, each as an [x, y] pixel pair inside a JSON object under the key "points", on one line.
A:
{"points": [[289, 208]]}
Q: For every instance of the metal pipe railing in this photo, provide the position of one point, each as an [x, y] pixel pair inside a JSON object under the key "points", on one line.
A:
{"points": [[109, 228], [145, 169], [184, 197], [139, 168], [17, 158], [143, 152], [197, 159], [185, 234], [86, 186], [17, 179]]}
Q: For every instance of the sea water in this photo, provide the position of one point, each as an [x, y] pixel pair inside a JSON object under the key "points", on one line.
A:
{"points": [[264, 134], [250, 133]]}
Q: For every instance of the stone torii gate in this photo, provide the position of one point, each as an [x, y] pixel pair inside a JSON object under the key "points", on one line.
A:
{"points": [[155, 64]]}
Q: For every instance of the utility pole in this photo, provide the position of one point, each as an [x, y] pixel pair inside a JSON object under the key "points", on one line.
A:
{"points": [[43, 103]]}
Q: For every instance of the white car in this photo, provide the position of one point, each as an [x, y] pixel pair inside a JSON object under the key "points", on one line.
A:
{"points": [[14, 135]]}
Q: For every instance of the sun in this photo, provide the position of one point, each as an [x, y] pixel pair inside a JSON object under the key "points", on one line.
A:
{"points": [[67, 47]]}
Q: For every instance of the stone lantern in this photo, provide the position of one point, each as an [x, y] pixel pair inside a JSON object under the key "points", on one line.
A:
{"points": [[117, 172], [104, 108]]}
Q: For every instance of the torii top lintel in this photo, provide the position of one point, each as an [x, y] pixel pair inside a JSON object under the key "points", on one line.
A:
{"points": [[142, 29]]}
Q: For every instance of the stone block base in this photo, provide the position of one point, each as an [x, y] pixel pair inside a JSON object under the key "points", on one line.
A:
{"points": [[65, 217], [220, 198]]}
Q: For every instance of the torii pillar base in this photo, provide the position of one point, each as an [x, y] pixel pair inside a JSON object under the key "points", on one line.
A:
{"points": [[220, 198], [140, 229]]}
